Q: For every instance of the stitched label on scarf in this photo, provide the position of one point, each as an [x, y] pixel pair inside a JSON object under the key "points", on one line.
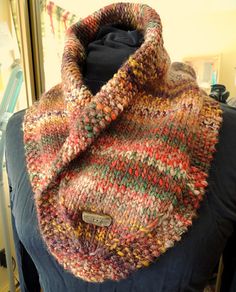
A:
{"points": [[96, 219]]}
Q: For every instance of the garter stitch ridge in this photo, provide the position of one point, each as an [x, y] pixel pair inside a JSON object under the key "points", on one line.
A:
{"points": [[138, 151]]}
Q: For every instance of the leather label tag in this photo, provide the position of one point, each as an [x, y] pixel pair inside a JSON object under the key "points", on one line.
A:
{"points": [[96, 219]]}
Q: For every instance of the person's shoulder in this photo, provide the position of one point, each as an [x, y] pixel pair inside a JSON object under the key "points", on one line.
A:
{"points": [[229, 114], [14, 128], [229, 122], [16, 117], [226, 147], [15, 121]]}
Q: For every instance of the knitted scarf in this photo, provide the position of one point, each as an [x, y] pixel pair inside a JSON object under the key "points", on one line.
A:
{"points": [[118, 176]]}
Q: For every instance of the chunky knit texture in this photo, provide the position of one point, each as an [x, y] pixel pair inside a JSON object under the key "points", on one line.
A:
{"points": [[138, 151]]}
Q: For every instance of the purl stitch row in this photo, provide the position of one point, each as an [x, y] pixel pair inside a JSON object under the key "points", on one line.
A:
{"points": [[138, 151]]}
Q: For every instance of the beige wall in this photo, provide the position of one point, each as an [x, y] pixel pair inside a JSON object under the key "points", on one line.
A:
{"points": [[205, 33], [4, 11], [228, 68]]}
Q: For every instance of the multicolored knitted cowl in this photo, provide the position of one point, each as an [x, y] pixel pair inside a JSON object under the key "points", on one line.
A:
{"points": [[118, 176]]}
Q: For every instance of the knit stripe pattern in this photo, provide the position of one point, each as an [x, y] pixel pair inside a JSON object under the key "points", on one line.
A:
{"points": [[139, 151]]}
